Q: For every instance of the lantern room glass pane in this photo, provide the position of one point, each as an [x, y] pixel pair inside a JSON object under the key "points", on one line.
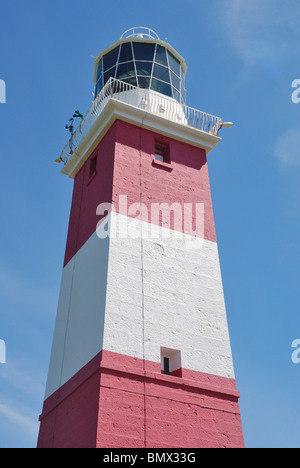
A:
{"points": [[162, 73], [144, 82], [126, 53], [98, 88], [99, 71], [143, 68], [110, 59], [160, 87], [175, 80], [176, 94], [125, 70], [109, 73], [131, 80], [161, 56], [143, 51], [174, 64]]}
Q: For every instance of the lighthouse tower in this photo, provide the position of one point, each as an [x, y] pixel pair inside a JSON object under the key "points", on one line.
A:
{"points": [[141, 355]]}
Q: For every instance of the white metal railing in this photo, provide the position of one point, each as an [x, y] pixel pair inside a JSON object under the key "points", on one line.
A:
{"points": [[140, 32], [145, 99]]}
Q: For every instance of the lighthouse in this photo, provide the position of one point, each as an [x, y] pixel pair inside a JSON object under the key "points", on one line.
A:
{"points": [[141, 354]]}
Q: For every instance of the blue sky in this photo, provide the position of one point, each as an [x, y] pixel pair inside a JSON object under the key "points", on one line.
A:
{"points": [[242, 58]]}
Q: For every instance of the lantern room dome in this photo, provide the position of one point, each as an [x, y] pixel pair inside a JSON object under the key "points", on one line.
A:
{"points": [[141, 59]]}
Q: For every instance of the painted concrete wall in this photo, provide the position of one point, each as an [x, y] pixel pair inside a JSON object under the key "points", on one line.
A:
{"points": [[182, 306], [134, 296], [119, 401], [127, 297], [88, 193], [78, 334], [137, 175], [126, 167]]}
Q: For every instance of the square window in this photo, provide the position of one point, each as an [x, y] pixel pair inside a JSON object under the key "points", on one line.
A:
{"points": [[162, 152], [171, 362], [93, 166]]}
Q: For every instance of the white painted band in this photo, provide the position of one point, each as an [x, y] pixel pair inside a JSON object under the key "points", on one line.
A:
{"points": [[135, 295]]}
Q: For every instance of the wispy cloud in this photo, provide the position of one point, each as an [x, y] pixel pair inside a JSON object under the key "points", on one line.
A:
{"points": [[21, 399], [24, 383], [263, 33], [18, 419], [287, 148], [30, 382]]}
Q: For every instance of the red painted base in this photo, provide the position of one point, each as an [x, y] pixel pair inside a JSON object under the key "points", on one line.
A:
{"points": [[117, 401]]}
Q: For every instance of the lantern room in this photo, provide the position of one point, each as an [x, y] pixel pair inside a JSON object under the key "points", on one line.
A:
{"points": [[141, 59]]}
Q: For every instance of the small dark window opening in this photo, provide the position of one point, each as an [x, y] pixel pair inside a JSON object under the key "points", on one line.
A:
{"points": [[166, 365], [171, 362], [162, 152], [93, 166]]}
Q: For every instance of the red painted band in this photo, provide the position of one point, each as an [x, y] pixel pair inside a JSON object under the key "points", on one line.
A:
{"points": [[115, 395], [125, 167]]}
